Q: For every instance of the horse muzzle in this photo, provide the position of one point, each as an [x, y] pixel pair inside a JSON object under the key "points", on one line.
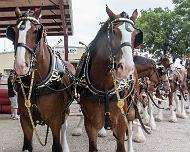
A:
{"points": [[122, 71], [21, 69]]}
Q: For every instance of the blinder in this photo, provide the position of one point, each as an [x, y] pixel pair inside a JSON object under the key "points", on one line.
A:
{"points": [[10, 34], [161, 71], [138, 38], [39, 34]]}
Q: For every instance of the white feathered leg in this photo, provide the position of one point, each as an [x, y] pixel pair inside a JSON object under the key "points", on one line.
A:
{"points": [[183, 113], [159, 116], [178, 111], [78, 130], [188, 103], [64, 142], [146, 116], [102, 132], [173, 117], [152, 122], [130, 137], [138, 135]]}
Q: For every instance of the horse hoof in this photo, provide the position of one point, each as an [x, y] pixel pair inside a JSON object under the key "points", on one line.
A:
{"points": [[77, 132], [152, 123], [158, 118], [102, 133], [153, 126], [172, 119], [178, 115], [188, 111], [130, 150], [139, 138], [183, 115]]}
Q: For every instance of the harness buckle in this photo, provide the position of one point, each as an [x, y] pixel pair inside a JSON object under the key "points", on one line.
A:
{"points": [[120, 103], [28, 103], [107, 113]]}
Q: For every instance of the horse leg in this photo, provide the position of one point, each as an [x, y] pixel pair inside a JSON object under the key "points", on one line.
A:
{"points": [[183, 113], [130, 137], [28, 133], [138, 134], [56, 128], [146, 116], [178, 112], [78, 130], [92, 133], [64, 137], [159, 116], [172, 117], [120, 132], [102, 132], [188, 102], [152, 123]]}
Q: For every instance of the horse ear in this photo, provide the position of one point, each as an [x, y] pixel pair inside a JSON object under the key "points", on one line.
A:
{"points": [[37, 13], [138, 38], [134, 15], [18, 12], [111, 15]]}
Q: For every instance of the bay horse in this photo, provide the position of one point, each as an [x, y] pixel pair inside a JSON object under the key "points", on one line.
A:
{"points": [[109, 59], [44, 83], [157, 78], [177, 78]]}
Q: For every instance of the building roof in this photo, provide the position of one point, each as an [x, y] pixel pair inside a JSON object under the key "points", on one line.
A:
{"points": [[56, 15]]}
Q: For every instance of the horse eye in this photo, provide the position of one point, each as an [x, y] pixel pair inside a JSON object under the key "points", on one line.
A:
{"points": [[35, 31]]}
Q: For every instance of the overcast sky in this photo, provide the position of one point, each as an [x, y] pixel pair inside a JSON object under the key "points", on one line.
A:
{"points": [[87, 14]]}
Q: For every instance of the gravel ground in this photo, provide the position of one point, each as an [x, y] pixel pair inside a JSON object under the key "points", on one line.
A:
{"points": [[168, 137]]}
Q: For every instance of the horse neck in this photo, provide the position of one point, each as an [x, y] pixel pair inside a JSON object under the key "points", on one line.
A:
{"points": [[100, 74], [43, 60], [148, 71]]}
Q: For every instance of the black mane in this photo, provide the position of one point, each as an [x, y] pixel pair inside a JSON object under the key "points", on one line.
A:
{"points": [[142, 60], [94, 44]]}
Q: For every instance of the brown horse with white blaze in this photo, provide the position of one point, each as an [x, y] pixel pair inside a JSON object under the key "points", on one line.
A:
{"points": [[178, 82], [44, 85], [109, 57]]}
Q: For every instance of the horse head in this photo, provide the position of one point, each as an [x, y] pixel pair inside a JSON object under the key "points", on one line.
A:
{"points": [[119, 39], [166, 61], [163, 79], [26, 36]]}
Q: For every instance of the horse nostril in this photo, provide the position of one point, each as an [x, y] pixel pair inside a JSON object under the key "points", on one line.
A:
{"points": [[119, 66], [26, 64]]}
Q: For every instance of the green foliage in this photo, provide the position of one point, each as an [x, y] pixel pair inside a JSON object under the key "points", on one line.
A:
{"points": [[165, 29]]}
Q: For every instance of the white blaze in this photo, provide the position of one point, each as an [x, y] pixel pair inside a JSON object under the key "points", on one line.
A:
{"points": [[127, 56], [20, 63]]}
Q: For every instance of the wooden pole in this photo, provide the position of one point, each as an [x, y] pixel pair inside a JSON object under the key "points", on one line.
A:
{"points": [[65, 30]]}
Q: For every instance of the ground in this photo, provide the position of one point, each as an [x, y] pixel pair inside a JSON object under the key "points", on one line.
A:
{"points": [[169, 137]]}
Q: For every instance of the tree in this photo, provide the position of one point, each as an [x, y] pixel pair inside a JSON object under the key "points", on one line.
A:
{"points": [[182, 9], [165, 29]]}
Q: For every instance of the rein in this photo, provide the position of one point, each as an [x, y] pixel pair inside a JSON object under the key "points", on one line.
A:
{"points": [[27, 100]]}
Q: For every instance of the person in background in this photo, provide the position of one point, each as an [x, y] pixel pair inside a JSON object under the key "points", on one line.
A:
{"points": [[12, 96]]}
